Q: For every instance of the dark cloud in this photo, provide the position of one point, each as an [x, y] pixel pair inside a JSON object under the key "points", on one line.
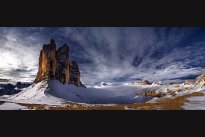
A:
{"points": [[107, 53], [4, 80]]}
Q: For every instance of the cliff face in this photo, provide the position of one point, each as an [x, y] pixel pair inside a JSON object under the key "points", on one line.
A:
{"points": [[75, 73], [55, 64], [47, 62], [63, 73]]}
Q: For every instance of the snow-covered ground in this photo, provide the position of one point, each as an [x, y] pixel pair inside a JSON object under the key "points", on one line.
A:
{"points": [[119, 94], [54, 93], [195, 103], [12, 106], [35, 94]]}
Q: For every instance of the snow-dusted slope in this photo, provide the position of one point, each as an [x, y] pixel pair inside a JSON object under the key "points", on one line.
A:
{"points": [[116, 95], [12, 106], [35, 94], [55, 93]]}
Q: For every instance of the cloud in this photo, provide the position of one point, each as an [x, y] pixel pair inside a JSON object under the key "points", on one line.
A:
{"points": [[115, 53], [4, 80], [18, 51], [106, 53]]}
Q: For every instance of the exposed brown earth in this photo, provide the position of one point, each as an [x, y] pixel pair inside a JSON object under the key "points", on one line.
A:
{"points": [[162, 104], [186, 82], [166, 103], [153, 93]]}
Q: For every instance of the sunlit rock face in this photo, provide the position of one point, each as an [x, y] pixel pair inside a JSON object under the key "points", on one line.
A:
{"points": [[47, 62], [200, 79], [55, 64]]}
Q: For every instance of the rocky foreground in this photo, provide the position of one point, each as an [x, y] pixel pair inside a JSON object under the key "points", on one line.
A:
{"points": [[172, 89]]}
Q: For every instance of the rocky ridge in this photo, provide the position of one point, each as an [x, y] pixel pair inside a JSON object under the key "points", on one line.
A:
{"points": [[55, 64], [173, 89]]}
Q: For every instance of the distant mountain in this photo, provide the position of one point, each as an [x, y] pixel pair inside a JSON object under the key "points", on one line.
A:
{"points": [[9, 89]]}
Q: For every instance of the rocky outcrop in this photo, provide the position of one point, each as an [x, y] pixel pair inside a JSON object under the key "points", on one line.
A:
{"points": [[186, 82], [200, 79], [9, 89], [146, 82], [156, 93], [155, 83], [153, 93], [55, 64], [140, 83]]}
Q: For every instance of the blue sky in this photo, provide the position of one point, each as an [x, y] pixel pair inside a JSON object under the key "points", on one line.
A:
{"points": [[109, 54]]}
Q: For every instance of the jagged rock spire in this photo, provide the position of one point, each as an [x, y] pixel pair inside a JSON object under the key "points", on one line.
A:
{"points": [[55, 64]]}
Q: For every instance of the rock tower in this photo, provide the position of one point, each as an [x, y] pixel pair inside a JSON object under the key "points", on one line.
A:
{"points": [[55, 64]]}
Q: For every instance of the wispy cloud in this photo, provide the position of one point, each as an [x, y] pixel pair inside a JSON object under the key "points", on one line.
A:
{"points": [[105, 53], [18, 51], [126, 52]]}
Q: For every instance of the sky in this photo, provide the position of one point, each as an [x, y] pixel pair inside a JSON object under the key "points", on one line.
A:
{"points": [[107, 54]]}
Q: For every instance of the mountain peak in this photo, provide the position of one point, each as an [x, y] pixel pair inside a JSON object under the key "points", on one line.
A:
{"points": [[55, 64], [52, 41]]}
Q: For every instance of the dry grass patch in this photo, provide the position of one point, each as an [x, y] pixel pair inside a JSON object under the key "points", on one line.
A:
{"points": [[166, 103], [161, 103]]}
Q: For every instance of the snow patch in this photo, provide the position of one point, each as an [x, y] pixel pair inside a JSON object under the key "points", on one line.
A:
{"points": [[35, 94], [12, 106], [113, 95], [55, 93]]}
